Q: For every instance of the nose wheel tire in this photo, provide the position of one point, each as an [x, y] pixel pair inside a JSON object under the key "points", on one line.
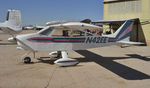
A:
{"points": [[27, 60]]}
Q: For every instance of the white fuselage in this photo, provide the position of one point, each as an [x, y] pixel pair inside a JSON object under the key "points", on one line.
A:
{"points": [[38, 42]]}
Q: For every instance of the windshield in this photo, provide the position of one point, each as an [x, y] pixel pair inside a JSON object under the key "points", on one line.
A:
{"points": [[47, 31]]}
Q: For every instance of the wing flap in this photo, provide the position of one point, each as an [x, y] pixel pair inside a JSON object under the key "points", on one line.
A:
{"points": [[131, 43]]}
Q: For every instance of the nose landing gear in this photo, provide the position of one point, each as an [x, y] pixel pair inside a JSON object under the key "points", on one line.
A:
{"points": [[27, 60]]}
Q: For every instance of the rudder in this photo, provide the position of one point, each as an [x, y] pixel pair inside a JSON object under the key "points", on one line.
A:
{"points": [[124, 31]]}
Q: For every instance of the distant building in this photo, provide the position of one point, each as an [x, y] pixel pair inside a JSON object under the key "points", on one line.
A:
{"points": [[139, 10]]}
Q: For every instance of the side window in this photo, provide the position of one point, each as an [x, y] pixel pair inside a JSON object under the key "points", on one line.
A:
{"points": [[76, 33], [57, 32], [47, 31], [68, 33]]}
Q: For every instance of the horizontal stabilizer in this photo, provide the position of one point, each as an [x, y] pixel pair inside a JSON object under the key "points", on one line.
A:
{"points": [[131, 43]]}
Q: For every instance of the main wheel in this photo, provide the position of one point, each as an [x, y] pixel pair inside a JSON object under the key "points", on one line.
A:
{"points": [[27, 60]]}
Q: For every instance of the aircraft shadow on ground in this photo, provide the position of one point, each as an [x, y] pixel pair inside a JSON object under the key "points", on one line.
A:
{"points": [[115, 67], [47, 61]]}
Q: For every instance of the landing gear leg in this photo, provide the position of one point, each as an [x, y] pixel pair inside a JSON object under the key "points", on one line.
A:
{"points": [[34, 55], [59, 54]]}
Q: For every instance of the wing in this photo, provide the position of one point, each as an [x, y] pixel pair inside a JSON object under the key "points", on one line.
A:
{"points": [[75, 26], [68, 26]]}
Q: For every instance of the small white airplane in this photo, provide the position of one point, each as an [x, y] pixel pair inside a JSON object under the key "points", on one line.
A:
{"points": [[33, 27], [12, 25], [62, 38]]}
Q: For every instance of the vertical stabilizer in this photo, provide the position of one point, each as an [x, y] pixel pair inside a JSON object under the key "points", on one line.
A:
{"points": [[123, 33], [14, 18]]}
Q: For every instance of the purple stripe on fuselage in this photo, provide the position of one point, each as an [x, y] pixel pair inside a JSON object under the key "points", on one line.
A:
{"points": [[68, 40], [56, 40], [40, 39], [111, 39]]}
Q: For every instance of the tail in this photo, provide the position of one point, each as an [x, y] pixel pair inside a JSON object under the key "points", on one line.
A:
{"points": [[122, 35], [14, 20], [13, 24], [124, 31]]}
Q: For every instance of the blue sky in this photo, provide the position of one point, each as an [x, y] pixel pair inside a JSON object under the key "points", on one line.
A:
{"points": [[42, 11]]}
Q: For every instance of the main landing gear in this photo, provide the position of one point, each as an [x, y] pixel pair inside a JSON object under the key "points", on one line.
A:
{"points": [[65, 61]]}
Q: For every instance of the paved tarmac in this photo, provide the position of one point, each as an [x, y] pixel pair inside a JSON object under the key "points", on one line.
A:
{"points": [[105, 67]]}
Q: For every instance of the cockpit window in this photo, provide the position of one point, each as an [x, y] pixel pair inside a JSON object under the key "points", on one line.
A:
{"points": [[47, 31], [84, 32]]}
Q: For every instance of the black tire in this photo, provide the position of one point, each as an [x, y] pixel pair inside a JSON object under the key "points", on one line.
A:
{"points": [[27, 60]]}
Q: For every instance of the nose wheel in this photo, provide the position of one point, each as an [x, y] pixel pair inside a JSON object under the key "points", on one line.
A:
{"points": [[27, 60]]}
